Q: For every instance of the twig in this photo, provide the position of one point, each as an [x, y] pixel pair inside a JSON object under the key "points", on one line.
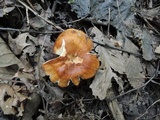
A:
{"points": [[38, 64], [74, 21], [117, 2], [35, 13], [40, 88], [54, 7], [155, 82], [30, 4], [96, 22], [151, 26], [27, 16], [146, 20], [156, 73], [109, 17], [112, 47], [29, 31], [151, 118]]}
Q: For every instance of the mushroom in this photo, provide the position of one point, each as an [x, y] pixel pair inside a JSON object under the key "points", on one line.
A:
{"points": [[75, 60]]}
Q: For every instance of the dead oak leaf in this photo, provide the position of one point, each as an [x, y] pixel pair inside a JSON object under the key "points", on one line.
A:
{"points": [[11, 100], [18, 44], [134, 72], [23, 42], [7, 57]]}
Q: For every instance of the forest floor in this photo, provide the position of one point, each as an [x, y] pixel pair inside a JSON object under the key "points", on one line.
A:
{"points": [[126, 41]]}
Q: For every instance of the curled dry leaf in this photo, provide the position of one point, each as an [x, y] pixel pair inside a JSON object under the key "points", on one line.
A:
{"points": [[74, 61], [11, 100]]}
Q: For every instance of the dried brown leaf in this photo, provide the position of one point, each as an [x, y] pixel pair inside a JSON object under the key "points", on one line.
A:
{"points": [[7, 57], [134, 71], [18, 44], [109, 60], [7, 73], [23, 42], [147, 48], [11, 101]]}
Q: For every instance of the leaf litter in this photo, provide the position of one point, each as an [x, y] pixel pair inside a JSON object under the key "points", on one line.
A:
{"points": [[10, 104], [109, 60], [128, 53]]}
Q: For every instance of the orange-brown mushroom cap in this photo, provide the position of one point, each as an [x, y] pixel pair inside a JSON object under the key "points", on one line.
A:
{"points": [[74, 61]]}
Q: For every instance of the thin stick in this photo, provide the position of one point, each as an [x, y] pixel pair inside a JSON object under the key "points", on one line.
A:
{"points": [[38, 63], [112, 47], [27, 16], [151, 26], [155, 82], [29, 31], [35, 13], [109, 17], [74, 21], [54, 7]]}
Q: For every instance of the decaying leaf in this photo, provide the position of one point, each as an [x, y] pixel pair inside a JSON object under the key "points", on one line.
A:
{"points": [[152, 16], [7, 10], [157, 50], [147, 48], [82, 8], [24, 74], [102, 82], [31, 106], [38, 23], [23, 42], [48, 44], [26, 78], [9, 61], [6, 7], [109, 60], [7, 73], [7, 57], [130, 47], [114, 58], [134, 72], [150, 68], [11, 100], [114, 61], [27, 65], [18, 44], [25, 45], [119, 11]]}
